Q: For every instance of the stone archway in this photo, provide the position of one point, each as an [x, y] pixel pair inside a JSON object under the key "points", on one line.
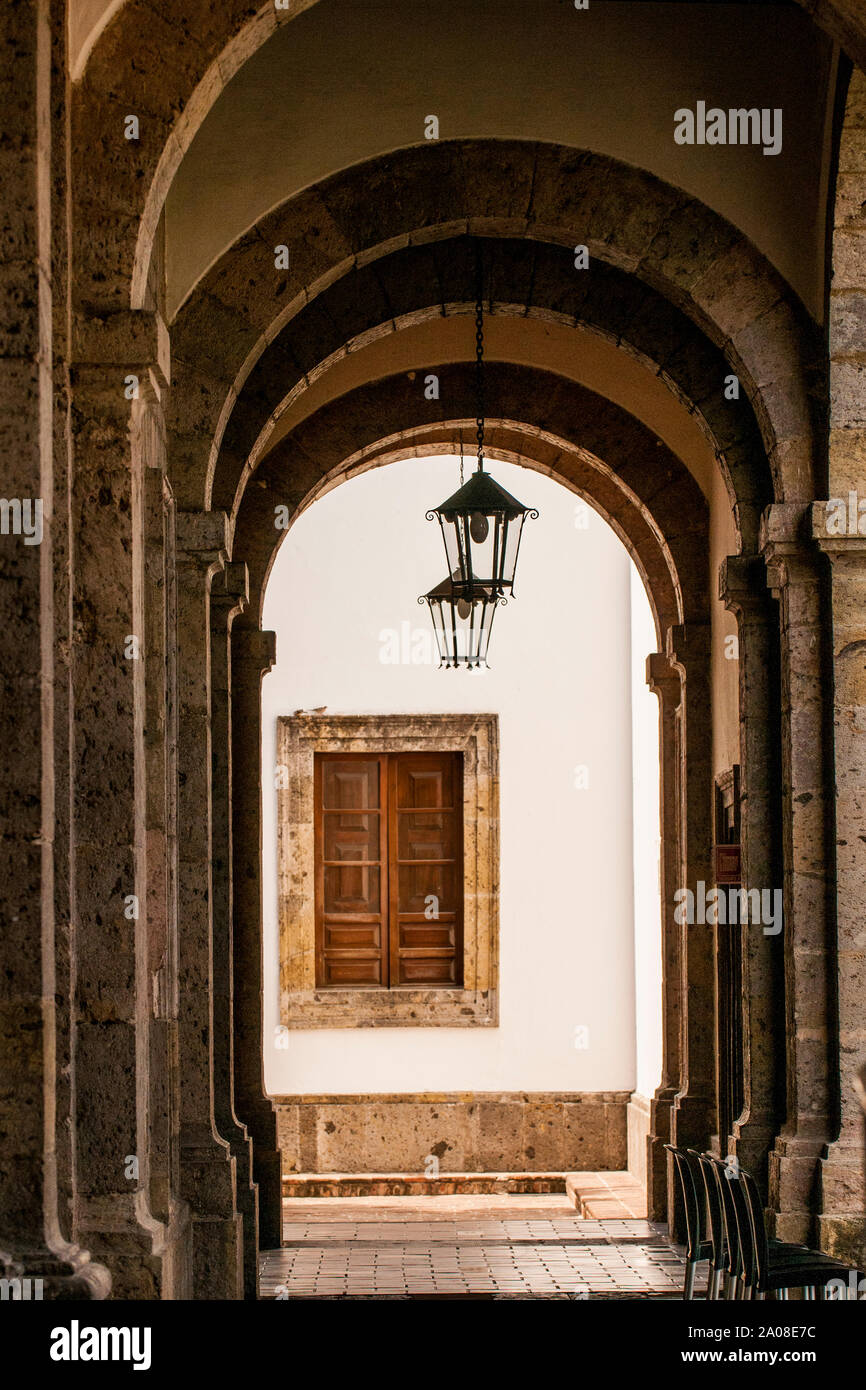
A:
{"points": [[740, 306], [679, 593]]}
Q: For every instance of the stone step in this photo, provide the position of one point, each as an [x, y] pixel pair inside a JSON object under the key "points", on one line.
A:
{"points": [[616, 1196], [417, 1184]]}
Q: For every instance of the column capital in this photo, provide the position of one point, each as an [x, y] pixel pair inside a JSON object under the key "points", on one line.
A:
{"points": [[257, 649], [230, 594], [784, 523], [825, 520], [686, 642], [743, 587], [202, 540], [664, 679], [232, 586], [786, 544], [137, 339]]}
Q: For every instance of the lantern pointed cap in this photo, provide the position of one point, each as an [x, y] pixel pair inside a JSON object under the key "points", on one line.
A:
{"points": [[482, 494], [450, 589]]}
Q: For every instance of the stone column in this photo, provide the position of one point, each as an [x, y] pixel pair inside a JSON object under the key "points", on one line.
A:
{"points": [[229, 598], [253, 653], [114, 357], [36, 939], [664, 680], [694, 1108], [160, 745], [842, 1225], [793, 567], [208, 1178], [743, 590]]}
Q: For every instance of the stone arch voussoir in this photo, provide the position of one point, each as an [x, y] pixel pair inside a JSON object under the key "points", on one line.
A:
{"points": [[674, 263]]}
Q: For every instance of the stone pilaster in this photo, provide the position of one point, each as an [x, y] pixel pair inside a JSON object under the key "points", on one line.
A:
{"points": [[36, 939], [694, 1108], [208, 1177], [664, 680], [842, 1224], [694, 1105], [110, 862], [160, 746], [229, 598], [794, 574], [253, 653], [743, 590]]}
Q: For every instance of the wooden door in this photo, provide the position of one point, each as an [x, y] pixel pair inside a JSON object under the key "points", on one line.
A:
{"points": [[389, 869]]}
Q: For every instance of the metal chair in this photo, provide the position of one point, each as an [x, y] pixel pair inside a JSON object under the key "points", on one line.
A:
{"points": [[698, 1247], [715, 1224], [775, 1266], [784, 1266], [733, 1257]]}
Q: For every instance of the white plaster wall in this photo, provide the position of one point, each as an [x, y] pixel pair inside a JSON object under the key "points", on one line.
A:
{"points": [[647, 845], [561, 670]]}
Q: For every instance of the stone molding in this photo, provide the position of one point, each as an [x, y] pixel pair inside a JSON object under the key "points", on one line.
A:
{"points": [[476, 1003]]}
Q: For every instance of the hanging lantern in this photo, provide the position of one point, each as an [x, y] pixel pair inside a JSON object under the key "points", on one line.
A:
{"points": [[481, 527], [482, 523], [462, 623]]}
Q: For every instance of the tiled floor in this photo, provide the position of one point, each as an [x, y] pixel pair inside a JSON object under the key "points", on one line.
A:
{"points": [[532, 1246]]}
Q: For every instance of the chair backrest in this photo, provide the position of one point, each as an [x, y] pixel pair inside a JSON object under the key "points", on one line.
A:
{"points": [[759, 1230], [729, 1214], [692, 1202], [745, 1228], [715, 1221]]}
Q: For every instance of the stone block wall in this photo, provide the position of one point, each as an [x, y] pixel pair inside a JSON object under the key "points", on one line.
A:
{"points": [[501, 1132]]}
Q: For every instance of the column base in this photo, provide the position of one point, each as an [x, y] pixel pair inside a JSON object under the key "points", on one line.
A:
{"points": [[42, 1275], [793, 1190], [209, 1183], [248, 1208], [267, 1170], [148, 1259], [842, 1224], [752, 1142], [657, 1199]]}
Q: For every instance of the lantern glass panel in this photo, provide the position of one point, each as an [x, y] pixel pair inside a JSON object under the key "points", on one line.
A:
{"points": [[481, 526], [461, 624]]}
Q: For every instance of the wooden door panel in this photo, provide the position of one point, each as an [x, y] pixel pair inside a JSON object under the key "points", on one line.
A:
{"points": [[427, 834], [353, 970], [351, 782], [351, 870], [428, 971], [353, 936], [351, 888], [419, 883], [425, 780], [348, 837], [423, 935]]}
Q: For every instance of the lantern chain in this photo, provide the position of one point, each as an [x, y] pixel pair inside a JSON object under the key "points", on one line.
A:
{"points": [[479, 358]]}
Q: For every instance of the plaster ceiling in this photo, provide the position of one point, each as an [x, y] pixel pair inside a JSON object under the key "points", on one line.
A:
{"points": [[344, 82]]}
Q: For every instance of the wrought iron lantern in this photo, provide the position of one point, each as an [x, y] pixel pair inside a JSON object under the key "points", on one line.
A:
{"points": [[481, 523], [461, 623], [481, 527]]}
